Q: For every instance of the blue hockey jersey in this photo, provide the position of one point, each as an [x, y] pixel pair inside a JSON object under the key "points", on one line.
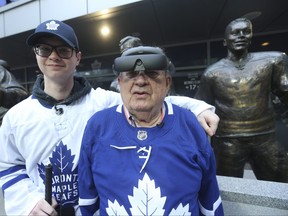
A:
{"points": [[168, 169]]}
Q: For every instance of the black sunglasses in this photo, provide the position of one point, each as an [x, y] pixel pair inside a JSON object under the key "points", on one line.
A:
{"points": [[45, 50]]}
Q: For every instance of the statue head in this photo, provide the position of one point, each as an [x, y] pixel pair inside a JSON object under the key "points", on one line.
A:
{"points": [[238, 34], [129, 42]]}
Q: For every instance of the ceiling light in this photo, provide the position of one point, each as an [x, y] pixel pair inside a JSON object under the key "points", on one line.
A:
{"points": [[265, 44], [105, 11], [105, 31]]}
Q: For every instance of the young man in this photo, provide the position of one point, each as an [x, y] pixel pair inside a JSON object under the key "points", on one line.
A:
{"points": [[47, 127], [147, 156], [240, 87]]}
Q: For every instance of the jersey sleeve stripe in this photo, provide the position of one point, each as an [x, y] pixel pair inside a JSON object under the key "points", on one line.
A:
{"points": [[205, 211], [11, 170], [87, 202], [14, 180]]}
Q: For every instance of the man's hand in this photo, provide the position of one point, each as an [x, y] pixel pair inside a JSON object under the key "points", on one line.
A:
{"points": [[44, 208], [209, 121]]}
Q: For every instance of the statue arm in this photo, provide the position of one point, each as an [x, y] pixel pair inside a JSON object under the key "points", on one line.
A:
{"points": [[11, 91], [280, 78], [204, 91], [11, 96]]}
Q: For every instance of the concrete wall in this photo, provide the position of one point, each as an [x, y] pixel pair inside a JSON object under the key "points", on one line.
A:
{"points": [[244, 196], [2, 211], [24, 15]]}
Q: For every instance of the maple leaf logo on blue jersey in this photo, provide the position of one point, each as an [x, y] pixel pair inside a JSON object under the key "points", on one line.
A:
{"points": [[146, 200], [65, 180]]}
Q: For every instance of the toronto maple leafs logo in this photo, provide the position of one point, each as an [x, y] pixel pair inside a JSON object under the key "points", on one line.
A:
{"points": [[65, 180], [146, 200], [52, 25]]}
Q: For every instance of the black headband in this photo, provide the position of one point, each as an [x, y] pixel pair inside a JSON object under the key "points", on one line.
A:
{"points": [[141, 58]]}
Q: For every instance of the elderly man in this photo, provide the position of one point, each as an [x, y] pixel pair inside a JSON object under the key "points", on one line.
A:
{"points": [[146, 155]]}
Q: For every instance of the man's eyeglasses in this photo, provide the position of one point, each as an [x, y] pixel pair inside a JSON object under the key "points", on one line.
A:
{"points": [[45, 50]]}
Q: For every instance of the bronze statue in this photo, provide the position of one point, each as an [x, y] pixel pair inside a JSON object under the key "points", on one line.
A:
{"points": [[239, 86], [11, 92]]}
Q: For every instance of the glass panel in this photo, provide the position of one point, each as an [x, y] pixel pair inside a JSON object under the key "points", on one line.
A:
{"points": [[98, 70], [218, 51], [32, 73], [187, 82], [188, 55], [19, 75], [96, 66], [276, 43], [102, 82]]}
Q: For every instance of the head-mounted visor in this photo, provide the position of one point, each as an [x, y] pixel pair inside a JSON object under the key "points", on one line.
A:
{"points": [[143, 62]]}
